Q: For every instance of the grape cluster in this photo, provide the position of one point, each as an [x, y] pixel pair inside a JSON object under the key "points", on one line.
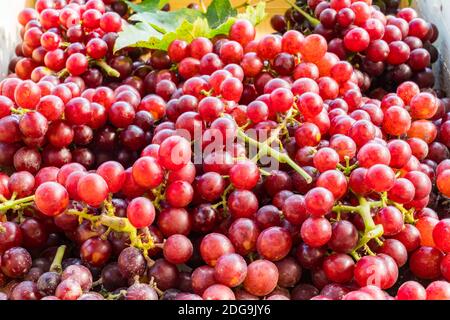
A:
{"points": [[225, 168], [386, 49]]}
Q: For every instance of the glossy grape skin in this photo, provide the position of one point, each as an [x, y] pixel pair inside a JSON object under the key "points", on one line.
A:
{"points": [[380, 178], [48, 282], [319, 201], [243, 234], [51, 199], [391, 219], [177, 249], [441, 233], [166, 275], [141, 212], [218, 292], [131, 263], [80, 274], [410, 237], [210, 186], [16, 262], [96, 251], [424, 263], [141, 291], [213, 246], [112, 278], [33, 125], [344, 237], [179, 194], [304, 292], [93, 189], [26, 290], [244, 175], [10, 237], [34, 234], [174, 221], [202, 278], [242, 31], [22, 183], [242, 203], [294, 209], [230, 270], [339, 268], [267, 240], [175, 153], [426, 226], [68, 290], [438, 290], [411, 290], [316, 232], [370, 271], [289, 272], [258, 270]]}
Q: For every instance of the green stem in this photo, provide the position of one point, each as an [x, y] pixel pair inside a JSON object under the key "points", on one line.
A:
{"points": [[281, 157], [343, 208], [372, 230], [63, 73], [223, 202], [314, 22], [56, 264], [364, 211], [12, 204], [118, 224], [20, 111], [107, 68], [97, 283]]}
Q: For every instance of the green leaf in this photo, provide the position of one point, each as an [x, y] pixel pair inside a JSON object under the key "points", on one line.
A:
{"points": [[158, 29], [224, 28], [187, 31], [255, 14], [219, 11], [140, 35], [167, 21], [147, 5]]}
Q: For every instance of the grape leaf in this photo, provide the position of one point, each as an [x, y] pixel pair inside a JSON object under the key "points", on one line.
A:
{"points": [[187, 31], [167, 21], [255, 14], [224, 28], [140, 35], [158, 29], [147, 5], [219, 11]]}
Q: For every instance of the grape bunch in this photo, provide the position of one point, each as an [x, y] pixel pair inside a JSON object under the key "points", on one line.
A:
{"points": [[228, 168], [387, 50]]}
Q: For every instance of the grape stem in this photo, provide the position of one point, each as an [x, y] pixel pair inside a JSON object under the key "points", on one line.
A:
{"points": [[118, 224], [265, 149], [20, 111], [56, 264], [14, 204], [223, 202], [281, 157], [107, 68], [372, 230], [63, 73], [308, 17]]}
